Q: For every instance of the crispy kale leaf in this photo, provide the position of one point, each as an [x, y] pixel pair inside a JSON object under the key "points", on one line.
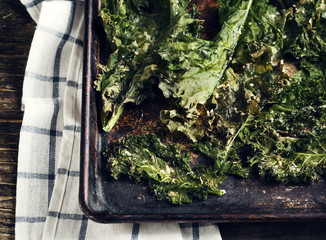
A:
{"points": [[131, 27], [196, 67], [288, 138], [164, 168], [187, 67], [252, 99], [276, 121], [305, 32]]}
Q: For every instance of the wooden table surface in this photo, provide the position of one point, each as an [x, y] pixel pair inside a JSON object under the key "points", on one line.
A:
{"points": [[16, 33]]}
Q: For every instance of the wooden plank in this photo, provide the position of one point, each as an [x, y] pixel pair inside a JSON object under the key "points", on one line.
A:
{"points": [[9, 127], [273, 231], [9, 139], [7, 211], [16, 34], [7, 197], [11, 115], [8, 174], [13, 65], [9, 136], [11, 84], [10, 100], [8, 155], [7, 225], [7, 230]]}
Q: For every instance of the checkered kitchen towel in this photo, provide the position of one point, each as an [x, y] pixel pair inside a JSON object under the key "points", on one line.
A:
{"points": [[48, 162]]}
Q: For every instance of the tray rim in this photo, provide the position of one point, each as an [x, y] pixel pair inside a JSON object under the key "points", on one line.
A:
{"points": [[85, 158]]}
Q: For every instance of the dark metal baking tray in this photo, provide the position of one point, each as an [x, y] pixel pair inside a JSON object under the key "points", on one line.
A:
{"points": [[103, 199]]}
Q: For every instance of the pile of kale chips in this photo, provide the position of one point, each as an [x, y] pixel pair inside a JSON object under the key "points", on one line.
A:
{"points": [[233, 95]]}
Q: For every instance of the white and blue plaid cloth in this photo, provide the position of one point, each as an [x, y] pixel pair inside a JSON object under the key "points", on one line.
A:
{"points": [[48, 163]]}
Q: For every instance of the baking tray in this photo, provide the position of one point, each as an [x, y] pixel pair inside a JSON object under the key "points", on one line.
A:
{"points": [[106, 200]]}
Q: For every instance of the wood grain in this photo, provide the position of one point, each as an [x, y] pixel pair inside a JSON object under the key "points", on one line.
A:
{"points": [[273, 231], [16, 33], [7, 210]]}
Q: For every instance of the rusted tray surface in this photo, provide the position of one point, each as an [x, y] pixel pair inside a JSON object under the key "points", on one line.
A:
{"points": [[105, 200]]}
